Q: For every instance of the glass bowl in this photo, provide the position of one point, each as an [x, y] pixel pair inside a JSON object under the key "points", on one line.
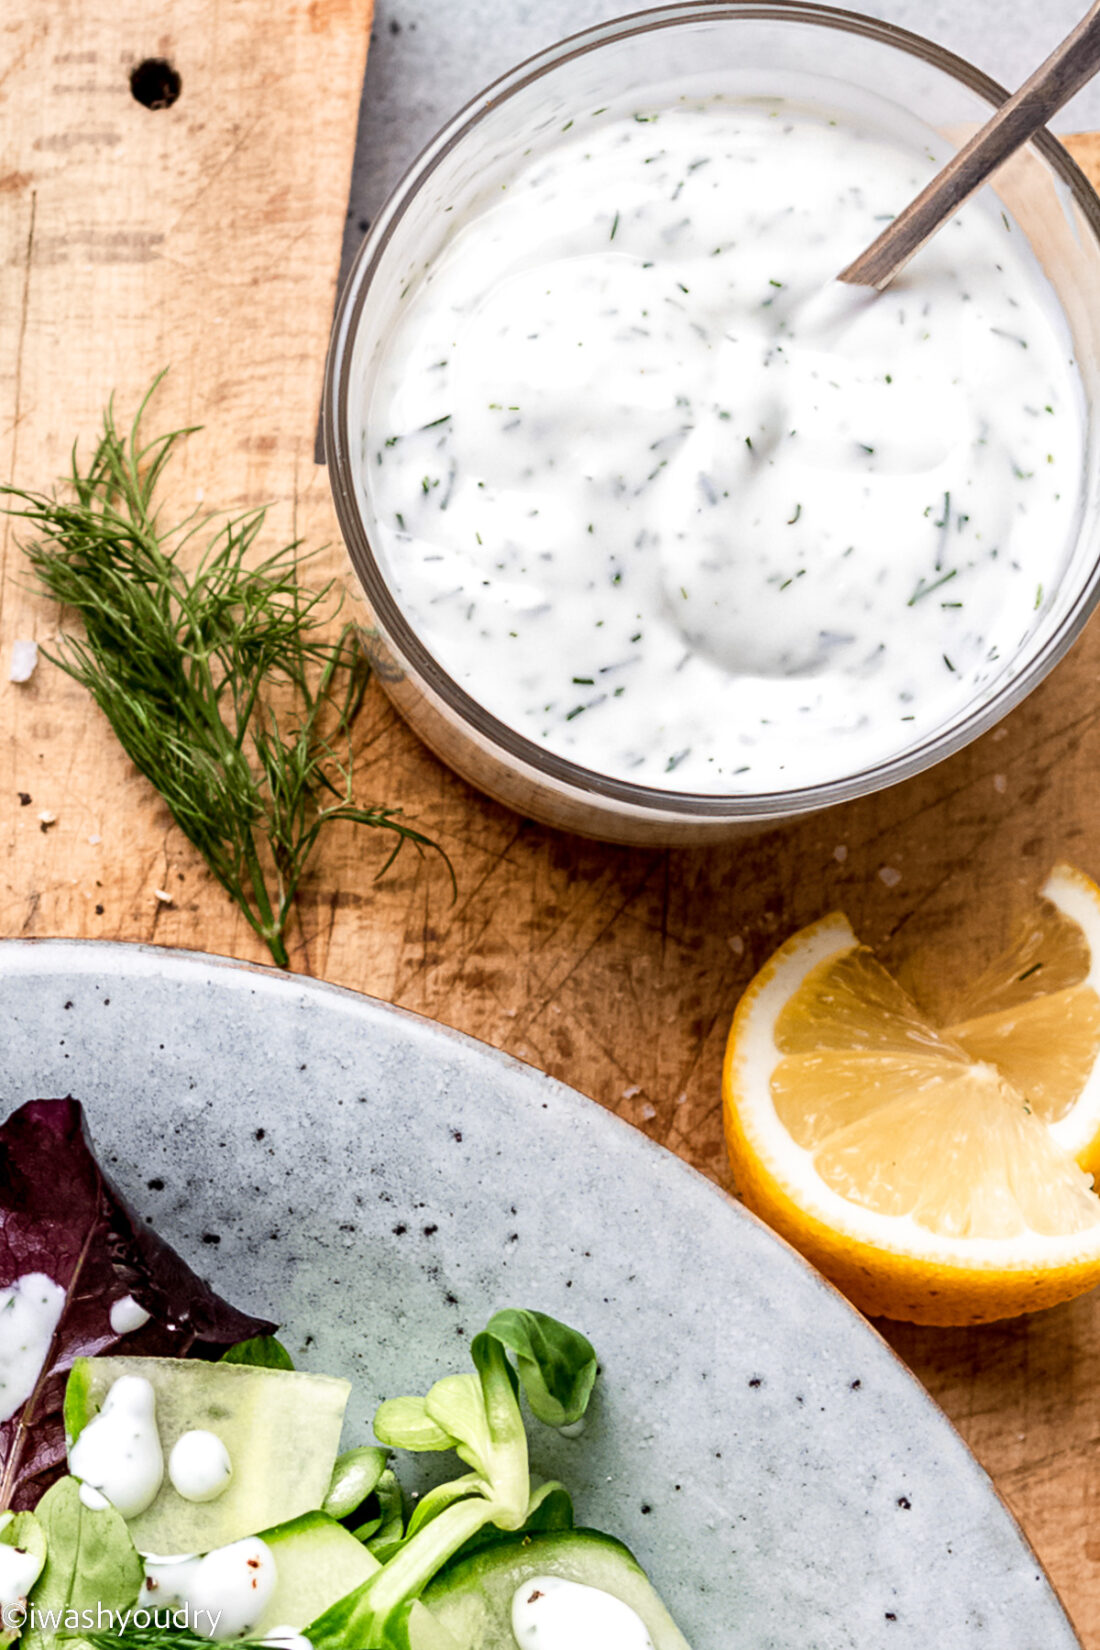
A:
{"points": [[818, 53]]}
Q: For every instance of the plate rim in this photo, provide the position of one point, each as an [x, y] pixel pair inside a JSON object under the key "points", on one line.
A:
{"points": [[139, 958]]}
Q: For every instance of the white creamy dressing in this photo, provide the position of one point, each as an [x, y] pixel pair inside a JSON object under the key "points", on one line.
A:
{"points": [[199, 1466], [286, 1638], [127, 1315], [19, 1570], [654, 513], [30, 1310], [119, 1451], [550, 1613], [167, 1578], [224, 1594]]}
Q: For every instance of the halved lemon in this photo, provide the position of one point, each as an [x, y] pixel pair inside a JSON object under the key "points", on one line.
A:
{"points": [[933, 1158]]}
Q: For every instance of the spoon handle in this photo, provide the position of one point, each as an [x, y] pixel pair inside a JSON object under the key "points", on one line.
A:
{"points": [[1069, 67]]}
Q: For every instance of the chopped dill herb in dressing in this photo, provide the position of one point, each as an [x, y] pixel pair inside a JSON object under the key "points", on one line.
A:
{"points": [[808, 554]]}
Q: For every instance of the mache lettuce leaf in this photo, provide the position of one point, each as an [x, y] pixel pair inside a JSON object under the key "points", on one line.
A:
{"points": [[555, 1364], [60, 1215], [478, 1416]]}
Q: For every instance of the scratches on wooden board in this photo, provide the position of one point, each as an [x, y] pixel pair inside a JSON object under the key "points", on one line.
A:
{"points": [[616, 970]]}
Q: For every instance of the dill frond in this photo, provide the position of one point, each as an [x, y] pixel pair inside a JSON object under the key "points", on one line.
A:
{"points": [[221, 679], [155, 1638]]}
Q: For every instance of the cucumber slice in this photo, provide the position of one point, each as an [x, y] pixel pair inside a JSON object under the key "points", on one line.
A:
{"points": [[317, 1561], [473, 1600], [281, 1428]]}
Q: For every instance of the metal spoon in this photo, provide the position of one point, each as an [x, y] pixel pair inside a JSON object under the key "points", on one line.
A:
{"points": [[1069, 67]]}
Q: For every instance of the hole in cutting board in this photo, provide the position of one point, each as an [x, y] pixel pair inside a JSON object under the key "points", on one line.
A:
{"points": [[155, 83]]}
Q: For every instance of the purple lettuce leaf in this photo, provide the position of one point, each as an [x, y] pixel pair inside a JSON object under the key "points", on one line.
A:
{"points": [[59, 1214]]}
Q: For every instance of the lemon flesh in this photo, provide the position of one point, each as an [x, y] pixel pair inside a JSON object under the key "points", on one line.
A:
{"points": [[939, 1126]]}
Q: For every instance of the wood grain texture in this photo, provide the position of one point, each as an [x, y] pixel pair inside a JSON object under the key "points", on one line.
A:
{"points": [[206, 236]]}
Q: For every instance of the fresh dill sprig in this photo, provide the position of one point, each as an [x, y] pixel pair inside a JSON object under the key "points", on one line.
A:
{"points": [[156, 1638], [222, 680]]}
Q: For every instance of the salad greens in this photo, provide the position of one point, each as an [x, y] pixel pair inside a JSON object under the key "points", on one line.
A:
{"points": [[478, 1416], [262, 1350], [93, 1245], [298, 1538], [381, 1532], [91, 1562], [556, 1365], [356, 1475]]}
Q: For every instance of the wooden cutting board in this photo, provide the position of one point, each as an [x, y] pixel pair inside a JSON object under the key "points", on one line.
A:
{"points": [[205, 237]]}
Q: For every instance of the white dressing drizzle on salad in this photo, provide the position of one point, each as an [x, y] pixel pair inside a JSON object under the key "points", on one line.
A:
{"points": [[224, 1593], [19, 1571], [127, 1315], [278, 1430], [119, 1451], [199, 1465], [286, 1638], [30, 1310], [649, 513], [228, 1591], [167, 1578], [551, 1613]]}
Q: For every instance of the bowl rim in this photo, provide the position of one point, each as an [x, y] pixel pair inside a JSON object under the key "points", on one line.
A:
{"points": [[509, 744]]}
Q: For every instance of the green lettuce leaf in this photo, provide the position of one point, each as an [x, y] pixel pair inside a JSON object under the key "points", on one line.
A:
{"points": [[263, 1350], [478, 1415], [556, 1364], [91, 1566]]}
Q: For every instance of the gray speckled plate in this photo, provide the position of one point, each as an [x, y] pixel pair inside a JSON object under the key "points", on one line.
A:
{"points": [[380, 1184]]}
